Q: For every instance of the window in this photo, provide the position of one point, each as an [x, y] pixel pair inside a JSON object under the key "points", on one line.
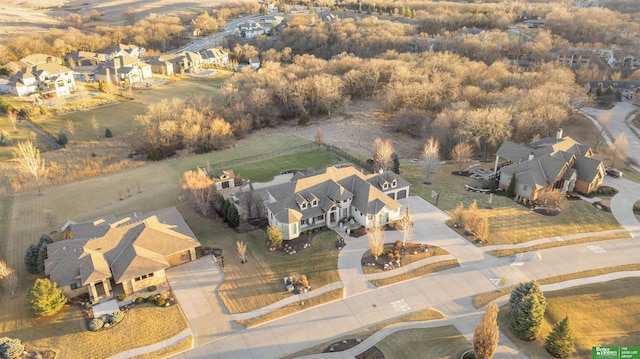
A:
{"points": [[524, 187], [385, 185], [74, 286], [142, 277], [314, 203], [394, 184], [303, 205]]}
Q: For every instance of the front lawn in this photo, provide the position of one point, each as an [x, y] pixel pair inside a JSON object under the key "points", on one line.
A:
{"points": [[440, 342], [509, 222], [143, 325], [600, 314]]}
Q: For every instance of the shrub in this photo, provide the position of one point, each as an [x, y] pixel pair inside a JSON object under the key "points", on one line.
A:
{"points": [[139, 300], [5, 138], [151, 299], [10, 348], [560, 342], [95, 324], [107, 133], [62, 138], [152, 288], [528, 304], [118, 316], [121, 297], [155, 154], [106, 318], [160, 302]]}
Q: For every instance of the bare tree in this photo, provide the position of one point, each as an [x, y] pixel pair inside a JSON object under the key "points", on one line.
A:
{"points": [[71, 128], [96, 126], [319, 136], [375, 239], [242, 251], [604, 119], [200, 187], [485, 337], [461, 154], [13, 119], [405, 225], [482, 229], [383, 154], [8, 277], [619, 149], [431, 155], [28, 156], [130, 15], [551, 198]]}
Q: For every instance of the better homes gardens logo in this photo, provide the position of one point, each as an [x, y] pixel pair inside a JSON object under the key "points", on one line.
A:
{"points": [[613, 352]]}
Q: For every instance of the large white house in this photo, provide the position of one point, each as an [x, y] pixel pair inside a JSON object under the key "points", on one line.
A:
{"points": [[48, 79], [334, 195]]}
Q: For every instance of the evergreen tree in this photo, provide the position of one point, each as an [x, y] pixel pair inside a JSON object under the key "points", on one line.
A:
{"points": [[527, 304], [560, 342], [45, 298], [62, 138], [108, 133], [31, 258], [233, 217], [511, 190], [396, 163], [42, 256]]}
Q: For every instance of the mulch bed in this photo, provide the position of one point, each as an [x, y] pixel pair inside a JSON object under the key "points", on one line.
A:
{"points": [[548, 211], [371, 353], [39, 354], [383, 259]]}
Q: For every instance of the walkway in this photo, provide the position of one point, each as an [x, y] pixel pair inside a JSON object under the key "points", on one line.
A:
{"points": [[153, 347]]}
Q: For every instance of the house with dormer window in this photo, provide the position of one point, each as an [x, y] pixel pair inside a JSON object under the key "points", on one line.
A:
{"points": [[331, 196]]}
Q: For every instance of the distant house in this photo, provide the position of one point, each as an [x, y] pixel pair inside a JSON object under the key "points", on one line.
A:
{"points": [[250, 29], [124, 50], [84, 58], [130, 252], [254, 63], [272, 20], [224, 179], [46, 79], [628, 89], [123, 70], [334, 195], [169, 64], [214, 56], [551, 163]]}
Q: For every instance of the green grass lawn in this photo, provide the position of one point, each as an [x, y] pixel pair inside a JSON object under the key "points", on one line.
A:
{"points": [[21, 134], [440, 342], [264, 171], [423, 315], [600, 314], [509, 222]]}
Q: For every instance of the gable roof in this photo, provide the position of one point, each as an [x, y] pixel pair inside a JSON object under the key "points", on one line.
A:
{"points": [[538, 172], [129, 247], [328, 187]]}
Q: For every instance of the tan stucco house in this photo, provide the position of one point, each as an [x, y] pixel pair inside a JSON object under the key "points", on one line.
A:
{"points": [[130, 252], [326, 197]]}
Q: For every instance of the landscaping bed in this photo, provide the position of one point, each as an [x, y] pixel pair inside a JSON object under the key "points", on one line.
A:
{"points": [[411, 252]]}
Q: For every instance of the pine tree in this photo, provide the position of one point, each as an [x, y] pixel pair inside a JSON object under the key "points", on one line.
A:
{"points": [[233, 217], [108, 133], [396, 163], [31, 259], [62, 138], [560, 342], [511, 190], [527, 304], [45, 298]]}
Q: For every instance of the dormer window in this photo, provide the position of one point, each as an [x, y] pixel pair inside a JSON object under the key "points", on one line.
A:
{"points": [[394, 183], [385, 185], [314, 203], [303, 205]]}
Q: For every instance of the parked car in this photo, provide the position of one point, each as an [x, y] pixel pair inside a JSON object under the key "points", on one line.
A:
{"points": [[613, 172]]}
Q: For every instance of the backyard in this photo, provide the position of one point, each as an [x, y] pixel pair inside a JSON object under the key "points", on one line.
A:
{"points": [[614, 324]]}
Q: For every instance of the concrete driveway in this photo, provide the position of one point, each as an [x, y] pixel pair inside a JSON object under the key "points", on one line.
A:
{"points": [[195, 286]]}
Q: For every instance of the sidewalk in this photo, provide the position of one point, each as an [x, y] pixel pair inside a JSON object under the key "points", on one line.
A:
{"points": [[567, 237]]}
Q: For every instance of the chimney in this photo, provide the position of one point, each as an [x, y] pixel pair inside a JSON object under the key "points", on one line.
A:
{"points": [[559, 134], [49, 60], [531, 154]]}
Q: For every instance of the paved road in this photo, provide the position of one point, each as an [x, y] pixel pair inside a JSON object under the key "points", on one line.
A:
{"points": [[618, 124], [449, 291]]}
